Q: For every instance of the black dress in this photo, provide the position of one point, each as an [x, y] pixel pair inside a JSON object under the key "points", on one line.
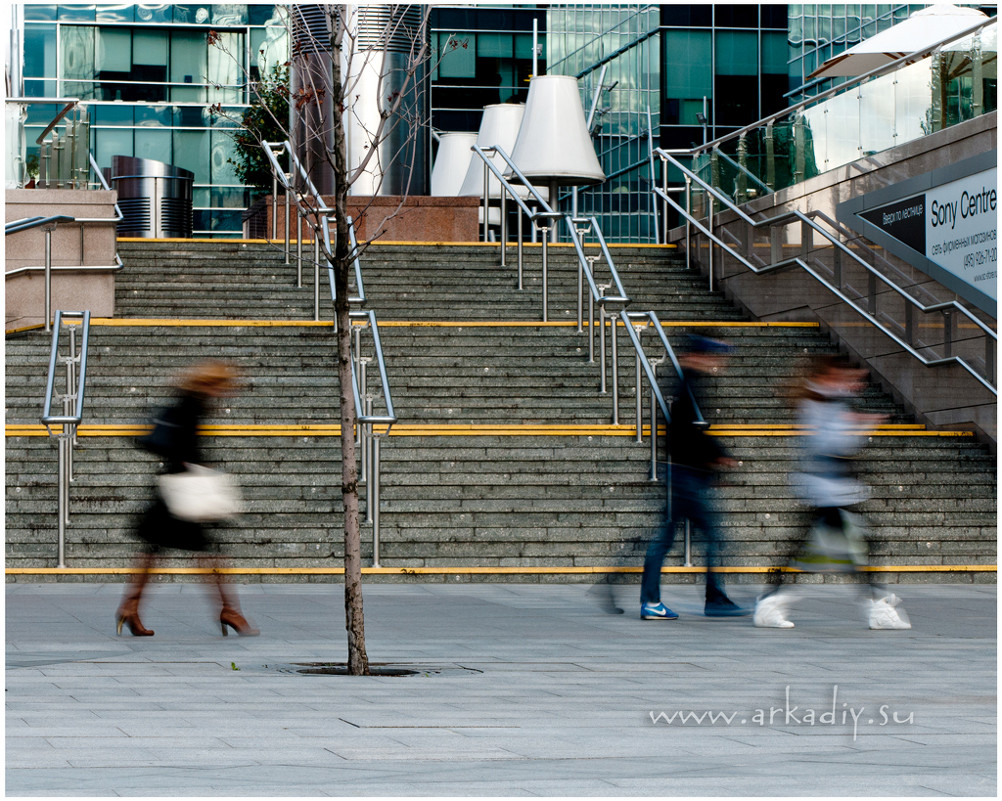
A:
{"points": [[175, 438]]}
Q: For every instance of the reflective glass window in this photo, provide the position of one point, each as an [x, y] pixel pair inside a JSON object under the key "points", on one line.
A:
{"points": [[689, 68], [457, 57], [82, 12], [115, 115], [116, 13], [737, 53], [148, 12], [191, 151], [40, 59], [223, 149], [150, 47], [114, 50], [41, 12], [153, 143], [229, 14], [110, 142]]}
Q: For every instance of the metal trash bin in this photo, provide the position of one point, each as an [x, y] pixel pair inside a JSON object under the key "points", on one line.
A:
{"points": [[155, 198]]}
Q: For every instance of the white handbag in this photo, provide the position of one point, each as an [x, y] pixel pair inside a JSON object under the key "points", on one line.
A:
{"points": [[200, 494]]}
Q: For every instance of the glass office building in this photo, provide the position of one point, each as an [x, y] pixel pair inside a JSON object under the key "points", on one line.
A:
{"points": [[149, 77], [675, 76], [664, 65], [481, 55]]}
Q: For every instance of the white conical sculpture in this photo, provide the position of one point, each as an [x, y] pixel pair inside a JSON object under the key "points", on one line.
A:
{"points": [[452, 163], [553, 147], [498, 127]]}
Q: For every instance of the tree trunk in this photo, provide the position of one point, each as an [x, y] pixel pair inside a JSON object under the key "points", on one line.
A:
{"points": [[358, 660]]}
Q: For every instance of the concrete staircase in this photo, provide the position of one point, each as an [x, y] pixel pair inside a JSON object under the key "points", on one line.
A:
{"points": [[504, 456]]}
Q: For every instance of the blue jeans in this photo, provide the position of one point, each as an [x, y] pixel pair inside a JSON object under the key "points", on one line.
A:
{"points": [[692, 499]]}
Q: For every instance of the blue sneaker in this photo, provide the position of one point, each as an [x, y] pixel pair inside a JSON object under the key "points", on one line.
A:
{"points": [[656, 611]]}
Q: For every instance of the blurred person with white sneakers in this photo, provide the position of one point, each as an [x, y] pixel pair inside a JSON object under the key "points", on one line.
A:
{"points": [[835, 541]]}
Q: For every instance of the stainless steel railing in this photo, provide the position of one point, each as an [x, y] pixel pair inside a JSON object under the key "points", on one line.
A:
{"points": [[577, 227], [367, 433], [542, 219], [842, 255], [72, 399], [370, 426], [635, 324], [48, 225]]}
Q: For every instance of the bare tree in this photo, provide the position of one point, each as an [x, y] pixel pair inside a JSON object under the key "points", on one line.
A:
{"points": [[339, 60]]}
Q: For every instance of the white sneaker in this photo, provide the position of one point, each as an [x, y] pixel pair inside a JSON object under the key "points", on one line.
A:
{"points": [[885, 614], [770, 612]]}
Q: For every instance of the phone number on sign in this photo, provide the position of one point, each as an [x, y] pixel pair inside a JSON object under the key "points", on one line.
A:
{"points": [[980, 257]]}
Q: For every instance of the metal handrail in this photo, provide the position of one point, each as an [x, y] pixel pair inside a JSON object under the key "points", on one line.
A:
{"points": [[73, 402], [367, 437], [796, 215], [359, 388], [805, 220], [744, 171], [76, 268], [325, 229], [16, 226], [597, 292]]}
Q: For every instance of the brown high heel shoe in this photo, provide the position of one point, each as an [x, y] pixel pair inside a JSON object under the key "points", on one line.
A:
{"points": [[232, 618], [128, 615]]}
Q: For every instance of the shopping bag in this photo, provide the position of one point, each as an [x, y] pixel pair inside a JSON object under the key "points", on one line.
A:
{"points": [[200, 494]]}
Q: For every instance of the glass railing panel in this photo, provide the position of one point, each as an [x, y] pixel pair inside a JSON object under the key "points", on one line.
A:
{"points": [[877, 127], [912, 102], [956, 84]]}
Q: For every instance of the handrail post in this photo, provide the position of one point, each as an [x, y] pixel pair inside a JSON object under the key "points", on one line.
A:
{"points": [[709, 240], [504, 227], [63, 503], [688, 222], [367, 467], [948, 333], [288, 211], [48, 280], [654, 425], [613, 331], [640, 394], [601, 342], [274, 206], [591, 328], [581, 269], [299, 247], [316, 276], [545, 229], [520, 235], [487, 202], [664, 203], [373, 503], [360, 428]]}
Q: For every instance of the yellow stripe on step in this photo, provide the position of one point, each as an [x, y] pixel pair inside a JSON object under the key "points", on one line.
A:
{"points": [[461, 430], [459, 571]]}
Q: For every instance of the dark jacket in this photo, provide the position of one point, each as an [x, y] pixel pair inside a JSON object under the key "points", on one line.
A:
{"points": [[689, 443], [175, 433]]}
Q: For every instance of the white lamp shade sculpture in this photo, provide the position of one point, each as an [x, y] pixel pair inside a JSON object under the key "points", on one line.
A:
{"points": [[498, 128], [452, 163], [553, 146]]}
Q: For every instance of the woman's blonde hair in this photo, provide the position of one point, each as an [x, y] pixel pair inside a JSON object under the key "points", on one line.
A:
{"points": [[210, 377]]}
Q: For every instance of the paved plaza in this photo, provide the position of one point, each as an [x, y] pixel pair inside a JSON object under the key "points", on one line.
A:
{"points": [[519, 690]]}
